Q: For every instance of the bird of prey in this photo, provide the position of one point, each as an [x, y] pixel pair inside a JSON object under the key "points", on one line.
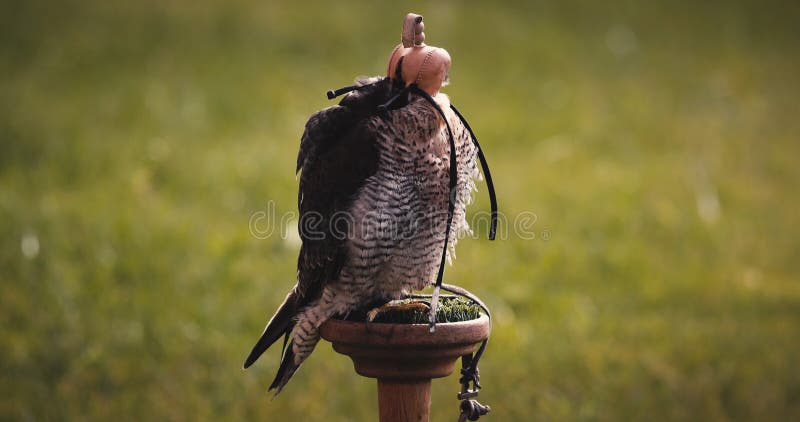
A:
{"points": [[378, 196]]}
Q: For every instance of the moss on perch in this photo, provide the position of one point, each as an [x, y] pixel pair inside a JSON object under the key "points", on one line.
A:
{"points": [[408, 311]]}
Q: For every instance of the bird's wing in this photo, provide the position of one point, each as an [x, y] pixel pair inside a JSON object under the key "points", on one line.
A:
{"points": [[337, 155], [323, 129]]}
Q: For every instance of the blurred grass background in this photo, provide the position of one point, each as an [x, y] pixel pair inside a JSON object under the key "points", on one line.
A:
{"points": [[656, 142]]}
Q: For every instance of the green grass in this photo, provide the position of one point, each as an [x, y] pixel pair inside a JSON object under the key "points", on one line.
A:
{"points": [[656, 143], [450, 309]]}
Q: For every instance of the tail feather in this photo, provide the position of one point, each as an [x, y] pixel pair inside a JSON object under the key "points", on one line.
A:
{"points": [[286, 370], [281, 323]]}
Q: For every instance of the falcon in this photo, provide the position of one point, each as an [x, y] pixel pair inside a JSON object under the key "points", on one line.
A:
{"points": [[385, 178]]}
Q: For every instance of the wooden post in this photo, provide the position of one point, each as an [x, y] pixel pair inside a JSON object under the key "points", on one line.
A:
{"points": [[404, 400], [404, 358]]}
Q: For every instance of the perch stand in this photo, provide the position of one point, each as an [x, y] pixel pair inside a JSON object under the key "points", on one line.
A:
{"points": [[404, 358]]}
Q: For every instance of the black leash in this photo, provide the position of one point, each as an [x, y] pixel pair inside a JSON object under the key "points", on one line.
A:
{"points": [[470, 408], [486, 172], [451, 203]]}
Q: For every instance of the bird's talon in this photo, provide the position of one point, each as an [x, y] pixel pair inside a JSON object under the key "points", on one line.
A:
{"points": [[373, 313]]}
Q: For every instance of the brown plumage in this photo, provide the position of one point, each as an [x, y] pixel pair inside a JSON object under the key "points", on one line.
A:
{"points": [[373, 200]]}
